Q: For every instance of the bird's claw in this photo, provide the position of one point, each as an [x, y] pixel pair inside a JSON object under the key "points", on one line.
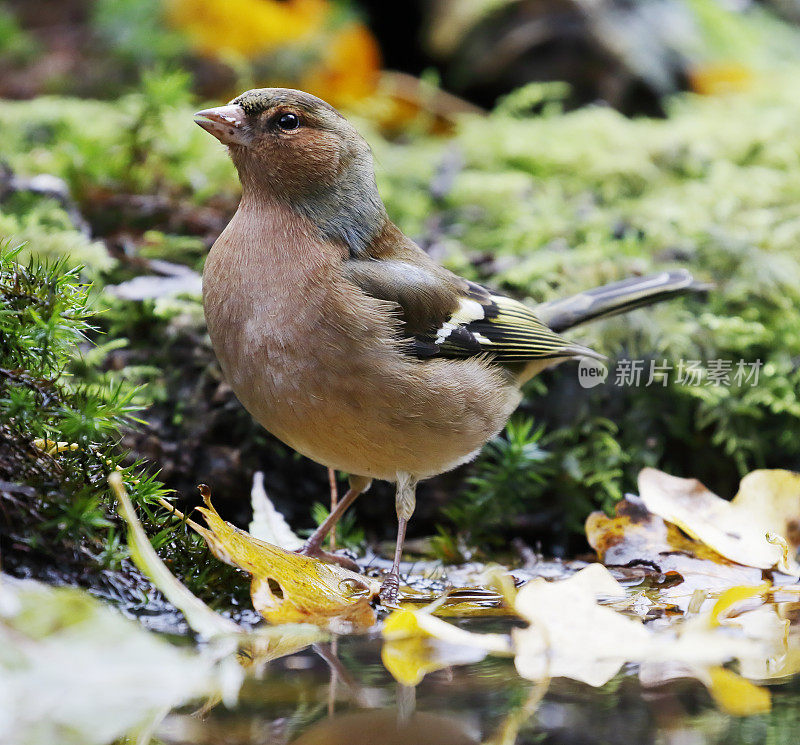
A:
{"points": [[390, 589]]}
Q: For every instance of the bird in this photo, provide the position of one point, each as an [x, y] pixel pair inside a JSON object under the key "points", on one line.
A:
{"points": [[345, 339]]}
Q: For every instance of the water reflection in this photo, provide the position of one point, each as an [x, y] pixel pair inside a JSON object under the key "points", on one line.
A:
{"points": [[389, 727], [340, 693]]}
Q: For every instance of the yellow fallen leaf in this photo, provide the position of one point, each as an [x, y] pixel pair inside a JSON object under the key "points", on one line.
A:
{"points": [[270, 643], [251, 647], [417, 643], [768, 503], [406, 623], [311, 590], [731, 597], [733, 693], [736, 695], [410, 660]]}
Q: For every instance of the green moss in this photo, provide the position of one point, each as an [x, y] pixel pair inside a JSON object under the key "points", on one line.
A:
{"points": [[41, 222], [45, 315], [60, 515], [145, 142]]}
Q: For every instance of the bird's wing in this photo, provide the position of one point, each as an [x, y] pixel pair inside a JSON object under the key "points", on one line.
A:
{"points": [[458, 318]]}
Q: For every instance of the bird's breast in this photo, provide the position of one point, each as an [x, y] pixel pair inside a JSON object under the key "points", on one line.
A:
{"points": [[318, 364]]}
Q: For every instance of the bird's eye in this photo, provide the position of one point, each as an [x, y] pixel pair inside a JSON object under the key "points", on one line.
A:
{"points": [[288, 122]]}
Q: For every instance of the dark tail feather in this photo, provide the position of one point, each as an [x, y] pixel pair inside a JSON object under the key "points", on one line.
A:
{"points": [[618, 297]]}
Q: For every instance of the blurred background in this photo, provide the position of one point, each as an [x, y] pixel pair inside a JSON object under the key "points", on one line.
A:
{"points": [[626, 54], [538, 146]]}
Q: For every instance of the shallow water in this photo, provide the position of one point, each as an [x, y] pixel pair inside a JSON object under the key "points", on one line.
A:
{"points": [[339, 692]]}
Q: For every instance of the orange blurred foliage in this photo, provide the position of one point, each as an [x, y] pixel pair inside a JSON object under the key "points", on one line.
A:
{"points": [[245, 27], [714, 78], [336, 60], [349, 67]]}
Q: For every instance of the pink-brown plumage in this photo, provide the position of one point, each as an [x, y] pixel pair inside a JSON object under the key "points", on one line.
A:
{"points": [[318, 363]]}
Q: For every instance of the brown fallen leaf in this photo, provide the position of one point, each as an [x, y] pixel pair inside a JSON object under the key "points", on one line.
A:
{"points": [[754, 529], [311, 591], [636, 536]]}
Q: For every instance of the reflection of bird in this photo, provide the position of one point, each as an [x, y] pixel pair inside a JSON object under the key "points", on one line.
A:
{"points": [[346, 340], [390, 727]]}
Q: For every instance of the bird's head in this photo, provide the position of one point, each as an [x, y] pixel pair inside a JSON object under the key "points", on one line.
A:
{"points": [[289, 145]]}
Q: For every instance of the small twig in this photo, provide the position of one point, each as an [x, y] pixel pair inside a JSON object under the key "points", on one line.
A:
{"points": [[177, 513]]}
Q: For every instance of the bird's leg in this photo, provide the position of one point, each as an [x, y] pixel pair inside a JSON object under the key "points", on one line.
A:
{"points": [[405, 501], [313, 546], [334, 502], [391, 583]]}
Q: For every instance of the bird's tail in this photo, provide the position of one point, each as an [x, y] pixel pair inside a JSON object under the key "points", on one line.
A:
{"points": [[618, 297]]}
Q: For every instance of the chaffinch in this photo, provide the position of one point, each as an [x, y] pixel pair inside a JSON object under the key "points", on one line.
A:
{"points": [[345, 339]]}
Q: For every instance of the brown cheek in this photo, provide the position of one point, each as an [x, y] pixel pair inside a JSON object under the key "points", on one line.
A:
{"points": [[316, 156], [289, 165]]}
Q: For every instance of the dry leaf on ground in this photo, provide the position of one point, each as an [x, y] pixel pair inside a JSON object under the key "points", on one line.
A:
{"points": [[311, 591], [252, 647], [570, 634], [198, 615], [754, 529], [635, 536]]}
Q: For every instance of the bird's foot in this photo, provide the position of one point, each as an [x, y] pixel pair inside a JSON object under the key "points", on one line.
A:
{"points": [[315, 552], [390, 589]]}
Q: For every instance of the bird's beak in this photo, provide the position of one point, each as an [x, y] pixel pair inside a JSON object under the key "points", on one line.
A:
{"points": [[227, 123]]}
